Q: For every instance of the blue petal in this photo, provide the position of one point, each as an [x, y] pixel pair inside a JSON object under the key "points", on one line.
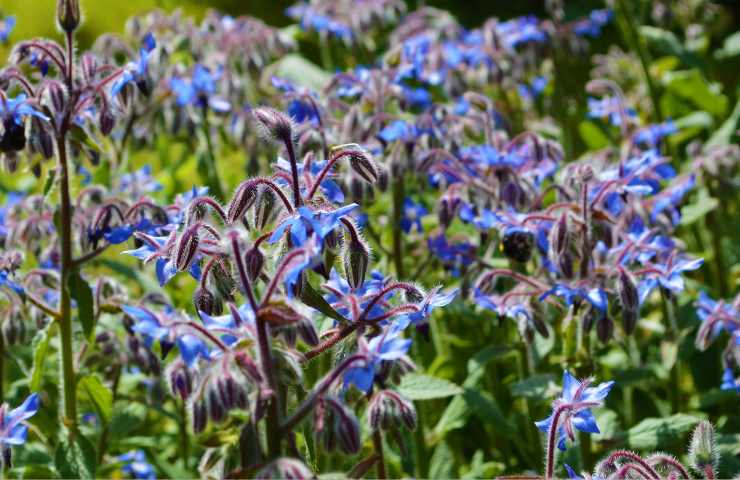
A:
{"points": [[585, 421]]}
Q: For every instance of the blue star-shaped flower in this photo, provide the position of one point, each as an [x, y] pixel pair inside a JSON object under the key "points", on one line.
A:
{"points": [[575, 404]]}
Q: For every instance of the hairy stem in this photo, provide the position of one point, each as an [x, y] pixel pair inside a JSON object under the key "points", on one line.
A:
{"points": [[378, 446]]}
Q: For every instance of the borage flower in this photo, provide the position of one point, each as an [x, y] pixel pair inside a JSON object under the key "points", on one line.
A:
{"points": [[573, 409], [136, 465], [13, 431]]}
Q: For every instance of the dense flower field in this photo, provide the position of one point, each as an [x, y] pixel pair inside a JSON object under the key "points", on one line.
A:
{"points": [[444, 252]]}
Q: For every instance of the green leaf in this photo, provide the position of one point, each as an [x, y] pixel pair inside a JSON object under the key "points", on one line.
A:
{"points": [[730, 48], [82, 293], [50, 181], [664, 41], [313, 299], [442, 462], [661, 433], [40, 351], [79, 136], [594, 137], [699, 208], [693, 87], [76, 459], [485, 407], [300, 72], [536, 386], [101, 397], [416, 386], [454, 417], [727, 131]]}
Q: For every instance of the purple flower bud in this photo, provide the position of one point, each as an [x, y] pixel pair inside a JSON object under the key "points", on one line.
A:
{"points": [[362, 164], [187, 247], [107, 121], [276, 125], [88, 67], [307, 331], [254, 260], [413, 295], [180, 379], [356, 189], [216, 410], [559, 235], [355, 258], [383, 179], [388, 410], [68, 15], [630, 298], [204, 301], [13, 330], [42, 140], [243, 199], [58, 96], [199, 416], [604, 328]]}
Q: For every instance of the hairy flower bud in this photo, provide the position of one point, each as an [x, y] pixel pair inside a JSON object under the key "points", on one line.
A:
{"points": [[388, 410], [180, 379], [216, 409], [559, 235], [187, 247], [68, 15], [223, 281], [355, 258], [254, 261], [276, 125], [265, 208], [244, 197], [14, 330], [279, 314], [703, 453], [362, 163], [630, 298], [106, 121], [204, 301], [604, 328]]}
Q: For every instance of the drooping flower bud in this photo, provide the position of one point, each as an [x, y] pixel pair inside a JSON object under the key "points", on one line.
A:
{"points": [[180, 379], [362, 164], [254, 260], [199, 416], [630, 298], [68, 15], [604, 328], [265, 208], [244, 197], [223, 281], [559, 235], [187, 247], [703, 453], [106, 120], [278, 314], [388, 410], [204, 301], [355, 258]]}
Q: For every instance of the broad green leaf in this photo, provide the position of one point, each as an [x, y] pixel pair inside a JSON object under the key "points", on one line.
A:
{"points": [[416, 386], [536, 386], [608, 422], [101, 397], [661, 433], [300, 72], [700, 120], [82, 293], [40, 352], [483, 405], [76, 459], [454, 417], [693, 87]]}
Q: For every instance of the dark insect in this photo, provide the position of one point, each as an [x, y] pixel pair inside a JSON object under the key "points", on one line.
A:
{"points": [[517, 244]]}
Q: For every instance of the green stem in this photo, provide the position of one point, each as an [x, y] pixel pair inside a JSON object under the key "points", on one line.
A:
{"points": [[398, 196], [214, 181], [2, 368], [672, 337], [632, 36], [69, 382]]}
